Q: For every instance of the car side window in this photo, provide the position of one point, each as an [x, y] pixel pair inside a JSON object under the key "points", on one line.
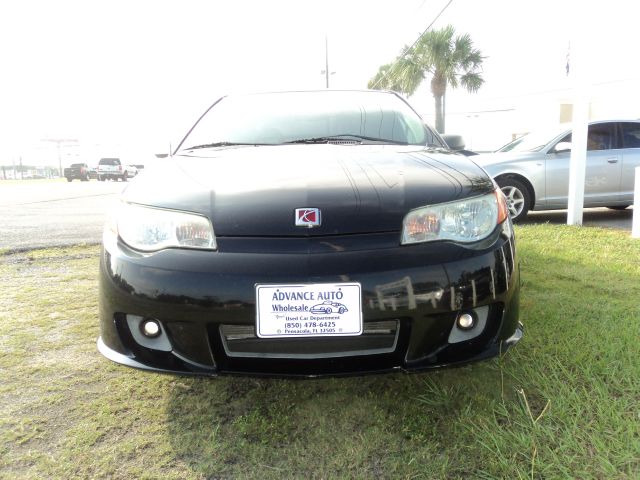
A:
{"points": [[558, 148], [432, 138], [600, 137], [630, 135]]}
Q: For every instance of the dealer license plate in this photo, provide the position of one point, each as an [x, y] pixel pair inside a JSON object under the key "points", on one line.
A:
{"points": [[308, 310]]}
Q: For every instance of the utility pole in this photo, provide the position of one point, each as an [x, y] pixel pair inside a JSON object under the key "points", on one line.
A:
{"points": [[59, 142], [326, 61]]}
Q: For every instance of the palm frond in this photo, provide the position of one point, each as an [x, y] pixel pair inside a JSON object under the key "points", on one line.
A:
{"points": [[471, 81]]}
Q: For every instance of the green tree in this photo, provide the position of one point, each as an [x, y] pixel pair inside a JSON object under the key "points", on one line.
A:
{"points": [[448, 59]]}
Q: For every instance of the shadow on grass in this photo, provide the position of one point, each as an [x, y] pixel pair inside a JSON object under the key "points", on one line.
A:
{"points": [[382, 425]]}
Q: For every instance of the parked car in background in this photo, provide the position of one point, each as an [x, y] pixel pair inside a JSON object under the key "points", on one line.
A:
{"points": [[111, 169], [131, 170], [533, 170], [93, 172], [305, 234], [78, 171]]}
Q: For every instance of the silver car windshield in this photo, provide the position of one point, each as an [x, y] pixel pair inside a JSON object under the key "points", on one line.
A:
{"points": [[532, 142], [307, 117]]}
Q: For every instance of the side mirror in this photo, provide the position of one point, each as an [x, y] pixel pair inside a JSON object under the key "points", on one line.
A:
{"points": [[164, 151], [562, 147], [455, 142]]}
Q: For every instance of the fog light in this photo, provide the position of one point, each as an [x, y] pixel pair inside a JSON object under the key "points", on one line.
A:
{"points": [[150, 328], [466, 321]]}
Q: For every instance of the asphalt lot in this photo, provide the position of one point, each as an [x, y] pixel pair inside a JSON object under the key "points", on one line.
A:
{"points": [[592, 217], [40, 213]]}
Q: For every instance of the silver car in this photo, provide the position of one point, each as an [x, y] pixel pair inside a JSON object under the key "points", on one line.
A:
{"points": [[533, 170]]}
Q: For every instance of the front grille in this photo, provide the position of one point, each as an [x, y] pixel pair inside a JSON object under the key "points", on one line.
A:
{"points": [[240, 341]]}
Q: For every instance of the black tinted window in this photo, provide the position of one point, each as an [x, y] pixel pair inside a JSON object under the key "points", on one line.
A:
{"points": [[630, 135], [601, 137], [110, 161], [432, 138], [288, 117]]}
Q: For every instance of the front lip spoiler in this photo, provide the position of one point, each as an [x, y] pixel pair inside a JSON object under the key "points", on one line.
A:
{"points": [[516, 337], [499, 349], [130, 362]]}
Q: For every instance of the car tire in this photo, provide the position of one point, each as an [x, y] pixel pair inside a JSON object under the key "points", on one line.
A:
{"points": [[328, 310], [124, 177], [341, 310], [518, 197], [69, 179], [618, 207]]}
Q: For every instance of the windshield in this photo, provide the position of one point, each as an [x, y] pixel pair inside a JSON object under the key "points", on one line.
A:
{"points": [[532, 142], [307, 117], [109, 161]]}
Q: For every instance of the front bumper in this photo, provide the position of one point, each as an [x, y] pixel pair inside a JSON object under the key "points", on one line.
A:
{"points": [[411, 297]]}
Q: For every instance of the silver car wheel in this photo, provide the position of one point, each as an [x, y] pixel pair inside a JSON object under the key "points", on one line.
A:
{"points": [[515, 200]]}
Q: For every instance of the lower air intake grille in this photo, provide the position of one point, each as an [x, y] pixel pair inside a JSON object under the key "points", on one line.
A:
{"points": [[377, 338]]}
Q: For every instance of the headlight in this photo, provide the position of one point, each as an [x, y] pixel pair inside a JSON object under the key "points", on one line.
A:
{"points": [[467, 220], [150, 229]]}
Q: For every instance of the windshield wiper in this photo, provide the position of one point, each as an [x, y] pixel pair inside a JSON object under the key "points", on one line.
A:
{"points": [[219, 144], [348, 136]]}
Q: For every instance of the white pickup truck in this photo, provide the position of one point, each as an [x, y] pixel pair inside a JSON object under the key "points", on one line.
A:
{"points": [[111, 168]]}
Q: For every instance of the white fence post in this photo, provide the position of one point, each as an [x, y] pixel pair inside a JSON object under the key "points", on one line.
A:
{"points": [[635, 229], [578, 159]]}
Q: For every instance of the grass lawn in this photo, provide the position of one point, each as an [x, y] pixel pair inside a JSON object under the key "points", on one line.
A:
{"points": [[565, 403]]}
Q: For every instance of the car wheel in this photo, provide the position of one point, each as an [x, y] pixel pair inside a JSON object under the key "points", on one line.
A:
{"points": [[328, 310], [341, 310], [69, 179], [124, 177], [618, 207], [518, 197]]}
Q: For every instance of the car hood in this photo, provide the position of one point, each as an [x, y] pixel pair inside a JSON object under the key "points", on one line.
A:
{"points": [[254, 191], [486, 159]]}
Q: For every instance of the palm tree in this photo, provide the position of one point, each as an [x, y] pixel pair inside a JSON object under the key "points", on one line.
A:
{"points": [[447, 60]]}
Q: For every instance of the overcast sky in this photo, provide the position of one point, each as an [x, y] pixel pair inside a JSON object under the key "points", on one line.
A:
{"points": [[138, 73]]}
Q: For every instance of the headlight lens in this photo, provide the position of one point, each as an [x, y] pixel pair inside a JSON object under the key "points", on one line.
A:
{"points": [[151, 229], [466, 221]]}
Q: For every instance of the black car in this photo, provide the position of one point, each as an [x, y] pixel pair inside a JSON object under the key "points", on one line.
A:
{"points": [[276, 204]]}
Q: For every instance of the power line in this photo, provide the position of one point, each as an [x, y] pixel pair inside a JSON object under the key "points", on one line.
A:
{"points": [[413, 44]]}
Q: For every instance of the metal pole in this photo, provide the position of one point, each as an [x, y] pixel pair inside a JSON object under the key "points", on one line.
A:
{"points": [[326, 59]]}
